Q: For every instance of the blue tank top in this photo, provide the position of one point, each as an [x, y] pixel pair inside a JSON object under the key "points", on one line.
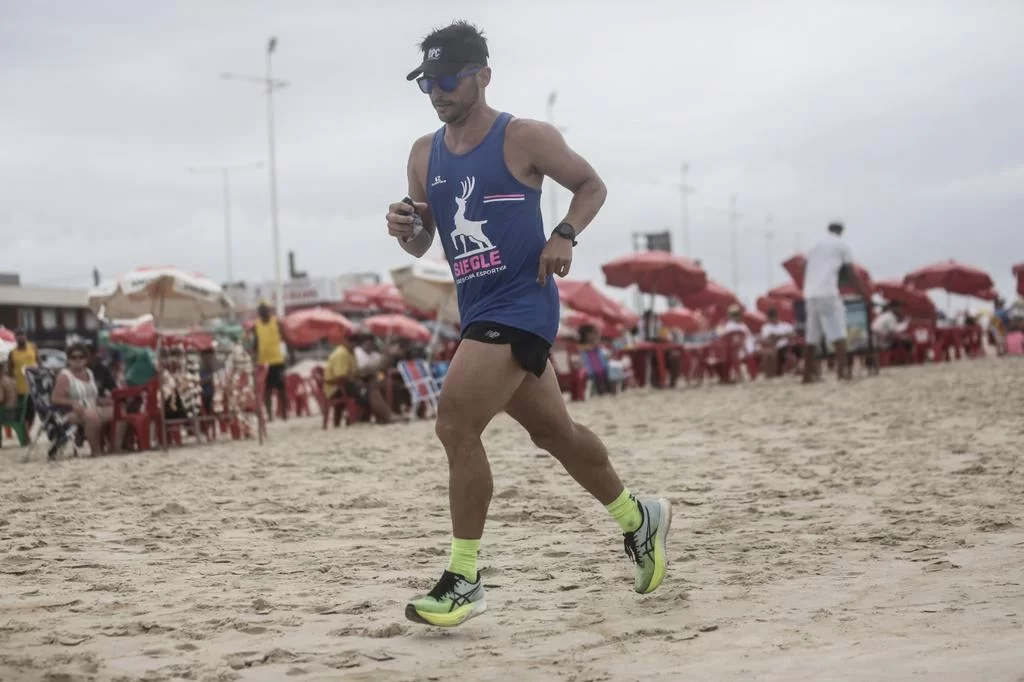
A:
{"points": [[492, 232]]}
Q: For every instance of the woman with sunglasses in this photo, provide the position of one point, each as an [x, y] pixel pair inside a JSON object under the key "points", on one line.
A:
{"points": [[76, 392]]}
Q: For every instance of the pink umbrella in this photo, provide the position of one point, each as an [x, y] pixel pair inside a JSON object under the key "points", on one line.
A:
{"points": [[754, 320], [311, 325], [915, 303], [397, 325], [7, 343], [384, 296], [712, 295], [656, 272], [586, 298], [685, 320], [782, 306], [954, 277], [788, 291], [577, 319], [795, 265], [145, 335]]}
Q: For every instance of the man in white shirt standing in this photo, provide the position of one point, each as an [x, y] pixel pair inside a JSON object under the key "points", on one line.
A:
{"points": [[828, 261]]}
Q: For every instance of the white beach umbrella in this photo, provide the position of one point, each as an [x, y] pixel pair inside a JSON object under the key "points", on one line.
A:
{"points": [[175, 298], [429, 285]]}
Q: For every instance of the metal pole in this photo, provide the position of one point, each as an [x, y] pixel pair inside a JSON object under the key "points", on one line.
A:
{"points": [[685, 190], [275, 234], [554, 185], [733, 215], [768, 236], [225, 175]]}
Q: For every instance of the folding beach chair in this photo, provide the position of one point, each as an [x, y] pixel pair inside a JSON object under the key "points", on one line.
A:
{"points": [[422, 386], [52, 422]]}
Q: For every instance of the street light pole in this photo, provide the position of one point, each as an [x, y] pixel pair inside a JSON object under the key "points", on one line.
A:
{"points": [[225, 173], [276, 236], [685, 191], [733, 217], [270, 85]]}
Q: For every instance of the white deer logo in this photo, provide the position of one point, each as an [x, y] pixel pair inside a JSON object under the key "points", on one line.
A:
{"points": [[472, 230]]}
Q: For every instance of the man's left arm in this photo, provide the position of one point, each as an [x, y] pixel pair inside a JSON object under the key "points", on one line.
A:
{"points": [[848, 270], [549, 155], [280, 333]]}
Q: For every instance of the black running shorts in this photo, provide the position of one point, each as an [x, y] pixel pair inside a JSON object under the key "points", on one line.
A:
{"points": [[275, 378], [529, 350]]}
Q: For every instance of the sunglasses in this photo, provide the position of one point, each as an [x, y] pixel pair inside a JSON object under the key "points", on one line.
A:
{"points": [[76, 356], [446, 83]]}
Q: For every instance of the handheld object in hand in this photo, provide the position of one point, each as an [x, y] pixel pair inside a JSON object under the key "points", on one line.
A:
{"points": [[417, 222]]}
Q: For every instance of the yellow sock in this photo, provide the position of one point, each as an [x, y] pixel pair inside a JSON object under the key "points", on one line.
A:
{"points": [[625, 511], [463, 559]]}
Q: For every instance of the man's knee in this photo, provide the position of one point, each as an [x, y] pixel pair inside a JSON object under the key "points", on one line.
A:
{"points": [[456, 431]]}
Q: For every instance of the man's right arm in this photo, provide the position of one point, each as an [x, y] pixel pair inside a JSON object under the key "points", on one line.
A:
{"points": [[419, 157]]}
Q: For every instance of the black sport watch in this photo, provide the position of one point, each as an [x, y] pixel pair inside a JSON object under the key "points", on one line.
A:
{"points": [[566, 231]]}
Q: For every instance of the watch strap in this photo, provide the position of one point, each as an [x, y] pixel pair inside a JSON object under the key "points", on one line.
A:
{"points": [[566, 231]]}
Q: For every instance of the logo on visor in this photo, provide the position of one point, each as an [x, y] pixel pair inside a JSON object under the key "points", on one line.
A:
{"points": [[433, 53]]}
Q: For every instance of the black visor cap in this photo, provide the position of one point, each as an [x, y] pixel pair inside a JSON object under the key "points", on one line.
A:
{"points": [[448, 60]]}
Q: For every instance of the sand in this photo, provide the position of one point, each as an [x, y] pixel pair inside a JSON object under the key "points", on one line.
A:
{"points": [[864, 532]]}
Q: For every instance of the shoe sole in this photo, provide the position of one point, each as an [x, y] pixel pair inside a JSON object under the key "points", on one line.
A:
{"points": [[445, 620], [660, 546]]}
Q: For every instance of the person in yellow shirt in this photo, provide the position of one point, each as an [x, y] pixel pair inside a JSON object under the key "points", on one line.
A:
{"points": [[270, 351], [24, 355], [342, 372]]}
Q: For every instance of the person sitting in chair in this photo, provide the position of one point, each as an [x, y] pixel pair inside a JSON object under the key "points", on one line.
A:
{"points": [[343, 372], [890, 329], [595, 359], [8, 395], [75, 391], [775, 338]]}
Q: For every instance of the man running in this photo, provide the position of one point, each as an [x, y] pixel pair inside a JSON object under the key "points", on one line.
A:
{"points": [[476, 182]]}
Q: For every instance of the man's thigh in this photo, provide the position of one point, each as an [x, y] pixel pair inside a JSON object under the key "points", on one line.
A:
{"points": [[481, 379], [813, 332], [538, 405], [833, 320]]}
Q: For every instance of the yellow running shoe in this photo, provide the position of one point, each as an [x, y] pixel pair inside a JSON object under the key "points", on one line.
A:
{"points": [[645, 547], [453, 601]]}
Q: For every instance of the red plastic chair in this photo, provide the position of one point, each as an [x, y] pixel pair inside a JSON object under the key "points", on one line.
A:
{"points": [[139, 424], [340, 403], [722, 357], [571, 380], [298, 394]]}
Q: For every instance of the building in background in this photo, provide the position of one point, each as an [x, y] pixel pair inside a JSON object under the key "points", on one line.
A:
{"points": [[299, 293], [51, 317]]}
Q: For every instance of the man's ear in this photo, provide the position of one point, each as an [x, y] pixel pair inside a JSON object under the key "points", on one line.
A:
{"points": [[485, 76]]}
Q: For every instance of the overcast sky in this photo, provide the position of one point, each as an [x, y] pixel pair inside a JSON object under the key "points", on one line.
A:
{"points": [[901, 118]]}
